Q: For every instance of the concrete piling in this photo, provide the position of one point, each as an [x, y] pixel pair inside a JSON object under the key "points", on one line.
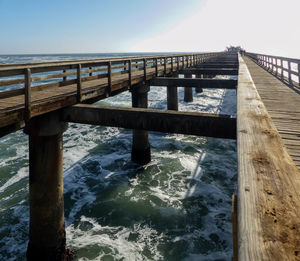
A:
{"points": [[188, 91], [47, 237], [140, 153]]}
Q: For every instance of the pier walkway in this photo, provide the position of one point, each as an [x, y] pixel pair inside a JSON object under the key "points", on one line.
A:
{"points": [[46, 96], [283, 105]]}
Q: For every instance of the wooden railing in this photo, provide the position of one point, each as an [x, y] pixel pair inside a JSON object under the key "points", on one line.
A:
{"points": [[285, 69], [69, 72], [26, 78]]}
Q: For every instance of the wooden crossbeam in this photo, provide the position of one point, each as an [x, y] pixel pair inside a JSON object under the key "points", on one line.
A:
{"points": [[194, 82], [216, 65], [213, 71], [191, 123]]}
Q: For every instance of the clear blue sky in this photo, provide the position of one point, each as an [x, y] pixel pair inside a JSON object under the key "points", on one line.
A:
{"points": [[95, 26], [58, 26]]}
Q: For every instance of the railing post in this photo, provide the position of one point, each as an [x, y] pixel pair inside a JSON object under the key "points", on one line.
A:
{"points": [[79, 87], [172, 65], [289, 73], [145, 69], [130, 73], [282, 71], [156, 67], [109, 78], [177, 69], [182, 57], [90, 73], [165, 66], [27, 94], [298, 74]]}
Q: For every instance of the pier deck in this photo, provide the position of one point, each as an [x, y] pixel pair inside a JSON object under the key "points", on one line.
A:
{"points": [[268, 179], [283, 105]]}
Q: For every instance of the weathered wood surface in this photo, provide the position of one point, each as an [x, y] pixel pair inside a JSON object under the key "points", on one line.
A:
{"points": [[268, 179], [283, 105], [194, 82], [192, 123], [210, 71]]}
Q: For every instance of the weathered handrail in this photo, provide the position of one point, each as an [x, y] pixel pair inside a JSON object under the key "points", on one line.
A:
{"points": [[42, 76], [285, 69]]}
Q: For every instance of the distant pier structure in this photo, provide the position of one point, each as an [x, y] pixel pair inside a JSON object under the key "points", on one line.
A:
{"points": [[266, 209]]}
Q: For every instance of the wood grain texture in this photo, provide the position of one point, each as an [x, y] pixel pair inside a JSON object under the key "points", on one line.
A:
{"points": [[268, 182]]}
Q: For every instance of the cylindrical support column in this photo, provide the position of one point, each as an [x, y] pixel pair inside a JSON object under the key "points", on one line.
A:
{"points": [[140, 153], [172, 98], [47, 236], [198, 89], [188, 91]]}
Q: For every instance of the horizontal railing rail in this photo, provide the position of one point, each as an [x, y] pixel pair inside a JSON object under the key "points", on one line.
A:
{"points": [[285, 69]]}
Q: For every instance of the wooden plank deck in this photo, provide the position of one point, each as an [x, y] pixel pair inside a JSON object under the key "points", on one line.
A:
{"points": [[268, 179], [283, 105]]}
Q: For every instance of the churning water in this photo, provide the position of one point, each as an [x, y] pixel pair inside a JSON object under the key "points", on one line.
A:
{"points": [[178, 207]]}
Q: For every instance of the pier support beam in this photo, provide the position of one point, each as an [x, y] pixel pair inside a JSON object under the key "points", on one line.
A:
{"points": [[198, 89], [140, 153], [47, 237], [188, 92]]}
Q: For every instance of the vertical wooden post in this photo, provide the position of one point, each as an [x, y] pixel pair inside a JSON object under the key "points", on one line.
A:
{"points": [[130, 73], [90, 73], [172, 65], [79, 87], [140, 153], [282, 75], [156, 67], [165, 65], [290, 74], [298, 74], [188, 91], [145, 69], [182, 57], [109, 78], [177, 63], [27, 94], [47, 236]]}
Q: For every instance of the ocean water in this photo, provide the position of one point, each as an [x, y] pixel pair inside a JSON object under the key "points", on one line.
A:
{"points": [[178, 207]]}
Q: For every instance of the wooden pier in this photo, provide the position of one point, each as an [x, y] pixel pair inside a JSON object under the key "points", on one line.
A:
{"points": [[266, 211]]}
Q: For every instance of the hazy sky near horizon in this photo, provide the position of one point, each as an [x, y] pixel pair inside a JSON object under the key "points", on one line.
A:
{"points": [[96, 26]]}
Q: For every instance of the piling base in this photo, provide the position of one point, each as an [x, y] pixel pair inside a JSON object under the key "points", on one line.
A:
{"points": [[141, 156], [198, 90], [55, 253]]}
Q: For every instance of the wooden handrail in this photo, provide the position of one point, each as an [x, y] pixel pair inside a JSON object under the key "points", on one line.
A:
{"points": [[282, 71], [58, 71]]}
